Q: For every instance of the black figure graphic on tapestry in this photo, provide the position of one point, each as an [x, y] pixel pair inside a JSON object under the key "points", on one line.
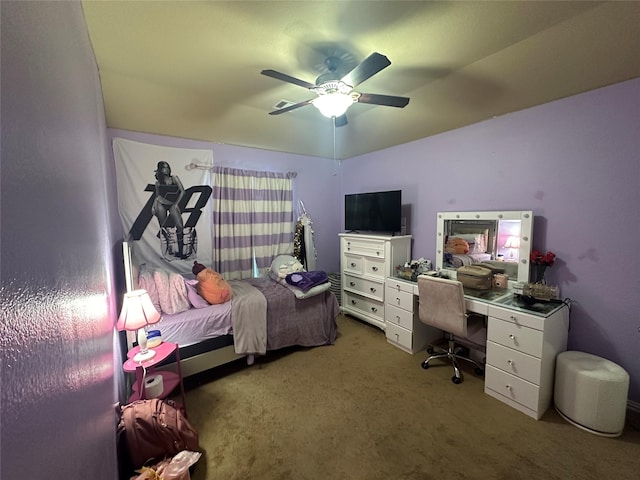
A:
{"points": [[168, 194], [177, 210]]}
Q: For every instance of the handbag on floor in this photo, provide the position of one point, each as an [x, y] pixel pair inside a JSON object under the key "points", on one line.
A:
{"points": [[154, 429]]}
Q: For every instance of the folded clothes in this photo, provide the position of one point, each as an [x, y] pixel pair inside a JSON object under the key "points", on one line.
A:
{"points": [[306, 280]]}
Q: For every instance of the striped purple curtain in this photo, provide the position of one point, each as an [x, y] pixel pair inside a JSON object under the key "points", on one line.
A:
{"points": [[252, 220]]}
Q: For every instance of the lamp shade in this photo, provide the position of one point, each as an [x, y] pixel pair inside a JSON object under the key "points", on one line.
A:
{"points": [[137, 311], [512, 242], [333, 104]]}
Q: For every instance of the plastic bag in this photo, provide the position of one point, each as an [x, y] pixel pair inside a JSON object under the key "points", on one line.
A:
{"points": [[174, 468]]}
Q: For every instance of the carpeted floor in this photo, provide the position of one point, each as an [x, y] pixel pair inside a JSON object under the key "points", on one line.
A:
{"points": [[363, 409]]}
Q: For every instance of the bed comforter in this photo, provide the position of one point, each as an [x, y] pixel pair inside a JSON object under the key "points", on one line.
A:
{"points": [[291, 321]]}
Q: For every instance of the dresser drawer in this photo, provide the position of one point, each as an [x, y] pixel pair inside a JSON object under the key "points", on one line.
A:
{"points": [[400, 286], [512, 387], [353, 264], [364, 246], [398, 316], [476, 306], [366, 287], [364, 305], [519, 318], [515, 336], [399, 336], [514, 362], [400, 299], [375, 267]]}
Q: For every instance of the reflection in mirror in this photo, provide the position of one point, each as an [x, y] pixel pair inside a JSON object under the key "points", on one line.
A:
{"points": [[501, 238]]}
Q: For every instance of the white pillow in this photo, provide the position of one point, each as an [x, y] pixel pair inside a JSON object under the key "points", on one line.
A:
{"points": [[146, 282], [283, 265], [178, 292]]}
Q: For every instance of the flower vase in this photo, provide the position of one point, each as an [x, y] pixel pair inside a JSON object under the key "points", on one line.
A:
{"points": [[539, 274]]}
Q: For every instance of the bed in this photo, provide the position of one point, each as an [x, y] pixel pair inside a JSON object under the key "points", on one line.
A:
{"points": [[457, 260], [265, 314], [477, 239]]}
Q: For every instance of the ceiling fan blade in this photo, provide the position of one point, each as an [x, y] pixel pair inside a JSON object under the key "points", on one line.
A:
{"points": [[287, 78], [366, 69], [291, 107], [340, 121], [386, 100]]}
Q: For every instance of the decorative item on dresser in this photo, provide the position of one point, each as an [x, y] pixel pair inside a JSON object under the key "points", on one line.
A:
{"points": [[365, 262]]}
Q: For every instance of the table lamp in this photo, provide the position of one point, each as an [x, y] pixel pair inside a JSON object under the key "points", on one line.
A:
{"points": [[138, 312], [512, 243]]}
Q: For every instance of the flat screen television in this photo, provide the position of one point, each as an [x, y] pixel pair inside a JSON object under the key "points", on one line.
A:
{"points": [[373, 212]]}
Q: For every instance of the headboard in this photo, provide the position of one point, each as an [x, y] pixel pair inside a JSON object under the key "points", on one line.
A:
{"points": [[130, 266]]}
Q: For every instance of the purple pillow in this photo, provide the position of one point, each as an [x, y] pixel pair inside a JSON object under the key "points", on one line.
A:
{"points": [[194, 297]]}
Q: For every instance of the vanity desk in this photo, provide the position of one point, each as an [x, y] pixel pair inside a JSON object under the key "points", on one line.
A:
{"points": [[522, 341]]}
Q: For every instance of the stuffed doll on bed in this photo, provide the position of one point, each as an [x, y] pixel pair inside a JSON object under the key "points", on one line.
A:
{"points": [[211, 286]]}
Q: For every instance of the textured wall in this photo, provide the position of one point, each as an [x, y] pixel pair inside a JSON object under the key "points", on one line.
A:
{"points": [[574, 162], [58, 303]]}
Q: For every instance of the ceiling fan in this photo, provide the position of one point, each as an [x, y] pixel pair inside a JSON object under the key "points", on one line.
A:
{"points": [[335, 94]]}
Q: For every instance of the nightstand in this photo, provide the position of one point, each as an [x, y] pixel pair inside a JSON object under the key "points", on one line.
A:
{"points": [[170, 380]]}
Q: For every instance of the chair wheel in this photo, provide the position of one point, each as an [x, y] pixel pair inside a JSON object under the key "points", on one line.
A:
{"points": [[425, 365], [430, 350], [456, 380], [479, 371]]}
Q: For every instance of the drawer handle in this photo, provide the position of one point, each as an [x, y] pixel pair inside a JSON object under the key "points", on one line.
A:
{"points": [[398, 318], [398, 287], [397, 337], [353, 302], [510, 362], [373, 290], [374, 309], [398, 301], [353, 265], [512, 337], [353, 284], [508, 387], [375, 269]]}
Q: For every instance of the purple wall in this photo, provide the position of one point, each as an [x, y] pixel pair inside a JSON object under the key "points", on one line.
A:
{"points": [[316, 185], [57, 296], [575, 163]]}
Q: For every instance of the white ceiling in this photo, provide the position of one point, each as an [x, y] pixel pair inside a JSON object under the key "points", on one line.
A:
{"points": [[192, 69]]}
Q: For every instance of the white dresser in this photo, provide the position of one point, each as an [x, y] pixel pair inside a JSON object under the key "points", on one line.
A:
{"points": [[521, 356], [365, 262], [404, 328]]}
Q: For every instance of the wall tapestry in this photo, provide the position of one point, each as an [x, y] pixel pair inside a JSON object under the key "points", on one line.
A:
{"points": [[165, 205]]}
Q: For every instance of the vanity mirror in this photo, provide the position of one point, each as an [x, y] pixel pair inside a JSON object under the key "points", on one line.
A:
{"points": [[501, 238]]}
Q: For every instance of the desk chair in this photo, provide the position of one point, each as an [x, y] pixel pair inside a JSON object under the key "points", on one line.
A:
{"points": [[442, 306]]}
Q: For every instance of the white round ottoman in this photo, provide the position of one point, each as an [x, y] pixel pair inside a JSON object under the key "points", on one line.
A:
{"points": [[590, 392]]}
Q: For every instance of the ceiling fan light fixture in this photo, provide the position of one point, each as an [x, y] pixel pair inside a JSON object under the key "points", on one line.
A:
{"points": [[333, 104]]}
